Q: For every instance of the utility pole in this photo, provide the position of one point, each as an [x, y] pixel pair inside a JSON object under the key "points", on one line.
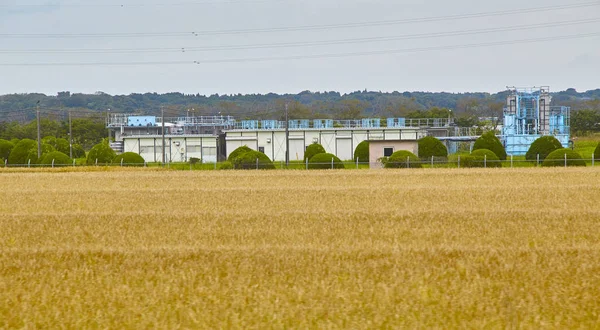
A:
{"points": [[162, 114], [70, 137], [108, 123], [39, 141], [287, 137]]}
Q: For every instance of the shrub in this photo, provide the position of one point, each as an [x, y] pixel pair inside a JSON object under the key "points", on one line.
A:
{"points": [[238, 152], [542, 146], [490, 141], [129, 159], [481, 158], [399, 160], [322, 161], [5, 148], [20, 154], [597, 152], [362, 152], [432, 147], [59, 144], [557, 158], [58, 157], [312, 150], [194, 160], [102, 152], [247, 160], [225, 166], [78, 151]]}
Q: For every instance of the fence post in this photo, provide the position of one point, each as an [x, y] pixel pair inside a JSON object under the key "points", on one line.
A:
{"points": [[332, 163], [307, 163], [145, 164], [407, 161], [96, 161], [458, 161], [357, 163], [431, 161], [538, 160], [28, 163], [53, 163], [121, 162], [511, 161], [216, 165], [257, 163], [565, 160], [592, 160], [484, 161], [5, 162], [73, 162]]}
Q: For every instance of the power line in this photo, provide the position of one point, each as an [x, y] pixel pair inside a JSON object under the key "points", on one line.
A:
{"points": [[136, 5], [299, 28], [317, 56], [300, 44]]}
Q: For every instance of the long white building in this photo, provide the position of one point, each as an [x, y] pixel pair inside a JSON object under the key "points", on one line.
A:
{"points": [[213, 138]]}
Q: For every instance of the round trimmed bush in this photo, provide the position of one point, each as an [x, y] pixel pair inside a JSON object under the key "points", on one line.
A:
{"points": [[489, 141], [101, 152], [481, 158], [362, 152], [238, 152], [58, 157], [5, 148], [129, 159], [432, 147], [402, 159], [597, 152], [59, 144], [322, 161], [20, 154], [557, 158], [247, 161], [543, 146], [312, 150]]}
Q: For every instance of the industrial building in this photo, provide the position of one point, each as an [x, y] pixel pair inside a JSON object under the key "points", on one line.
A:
{"points": [[529, 114], [213, 138]]}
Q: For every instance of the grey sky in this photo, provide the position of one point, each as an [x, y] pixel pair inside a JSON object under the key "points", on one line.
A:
{"points": [[558, 63]]}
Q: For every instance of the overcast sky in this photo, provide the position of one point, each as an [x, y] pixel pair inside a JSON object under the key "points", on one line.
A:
{"points": [[129, 34]]}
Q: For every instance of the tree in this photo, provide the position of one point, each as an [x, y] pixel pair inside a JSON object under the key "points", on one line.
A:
{"points": [[101, 153], [491, 142], [585, 121], [542, 146], [312, 150], [5, 149], [429, 147], [20, 154], [362, 152]]}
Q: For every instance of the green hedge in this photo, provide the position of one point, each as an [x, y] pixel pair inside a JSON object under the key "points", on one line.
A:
{"points": [[491, 142], [402, 159], [362, 152], [237, 152], [543, 146], [247, 161], [322, 161], [429, 147], [129, 159], [21, 153], [481, 158], [557, 158], [78, 151], [59, 144], [597, 152], [59, 158], [101, 152], [225, 166], [312, 150]]}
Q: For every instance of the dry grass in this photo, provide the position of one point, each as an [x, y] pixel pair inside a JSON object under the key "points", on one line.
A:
{"points": [[332, 249]]}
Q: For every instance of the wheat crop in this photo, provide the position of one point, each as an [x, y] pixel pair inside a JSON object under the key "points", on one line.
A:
{"points": [[456, 248]]}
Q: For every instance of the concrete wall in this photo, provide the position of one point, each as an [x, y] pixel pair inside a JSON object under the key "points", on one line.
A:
{"points": [[340, 142], [178, 148], [376, 149]]}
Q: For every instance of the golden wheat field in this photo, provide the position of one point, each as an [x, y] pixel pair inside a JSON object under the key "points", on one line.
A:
{"points": [[496, 248]]}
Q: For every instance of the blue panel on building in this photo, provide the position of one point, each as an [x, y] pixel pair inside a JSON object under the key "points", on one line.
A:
{"points": [[141, 121]]}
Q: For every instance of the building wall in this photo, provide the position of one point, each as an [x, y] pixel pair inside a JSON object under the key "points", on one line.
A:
{"points": [[376, 149], [178, 148], [340, 142]]}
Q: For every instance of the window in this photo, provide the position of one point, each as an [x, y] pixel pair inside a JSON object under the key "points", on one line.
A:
{"points": [[387, 152], [261, 149]]}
